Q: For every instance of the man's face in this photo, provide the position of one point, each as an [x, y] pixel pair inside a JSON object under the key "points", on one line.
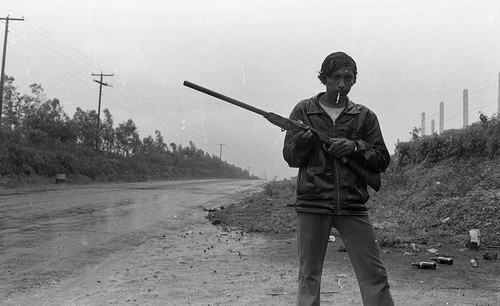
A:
{"points": [[341, 81]]}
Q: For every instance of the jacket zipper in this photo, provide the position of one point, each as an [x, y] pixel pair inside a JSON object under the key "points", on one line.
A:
{"points": [[336, 162], [336, 168]]}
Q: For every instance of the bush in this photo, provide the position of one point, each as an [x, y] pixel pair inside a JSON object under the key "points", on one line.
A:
{"points": [[416, 198], [21, 159], [478, 140]]}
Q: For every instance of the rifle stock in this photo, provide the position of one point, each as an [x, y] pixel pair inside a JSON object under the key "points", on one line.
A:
{"points": [[371, 178]]}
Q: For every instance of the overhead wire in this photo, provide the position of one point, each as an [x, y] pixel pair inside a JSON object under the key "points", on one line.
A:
{"points": [[459, 113], [127, 88], [73, 56], [37, 50]]}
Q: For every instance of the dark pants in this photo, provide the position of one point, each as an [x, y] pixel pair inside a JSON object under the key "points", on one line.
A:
{"points": [[359, 239]]}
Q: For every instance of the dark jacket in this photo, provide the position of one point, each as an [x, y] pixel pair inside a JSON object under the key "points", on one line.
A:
{"points": [[325, 185]]}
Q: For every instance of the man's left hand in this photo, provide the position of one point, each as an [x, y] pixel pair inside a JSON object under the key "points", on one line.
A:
{"points": [[341, 147]]}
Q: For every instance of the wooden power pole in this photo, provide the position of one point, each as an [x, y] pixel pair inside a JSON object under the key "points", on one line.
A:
{"points": [[101, 84], [2, 77]]}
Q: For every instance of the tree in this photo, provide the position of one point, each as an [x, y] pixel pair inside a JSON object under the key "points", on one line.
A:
{"points": [[85, 123], [127, 138], [159, 145], [11, 109], [107, 133], [415, 133], [43, 120], [148, 145], [37, 91], [173, 146]]}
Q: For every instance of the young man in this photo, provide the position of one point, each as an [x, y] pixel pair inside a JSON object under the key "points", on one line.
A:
{"points": [[329, 194]]}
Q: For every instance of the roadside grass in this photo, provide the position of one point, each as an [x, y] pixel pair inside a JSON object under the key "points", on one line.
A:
{"points": [[265, 211], [427, 204]]}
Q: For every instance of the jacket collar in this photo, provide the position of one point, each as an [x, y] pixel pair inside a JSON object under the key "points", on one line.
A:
{"points": [[314, 106]]}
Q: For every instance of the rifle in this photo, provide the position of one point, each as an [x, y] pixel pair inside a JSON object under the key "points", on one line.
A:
{"points": [[371, 178]]}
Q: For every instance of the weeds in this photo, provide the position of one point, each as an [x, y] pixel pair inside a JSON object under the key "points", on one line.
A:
{"points": [[421, 204]]}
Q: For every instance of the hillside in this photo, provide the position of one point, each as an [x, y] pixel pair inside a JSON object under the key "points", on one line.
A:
{"points": [[422, 204], [426, 202], [437, 188]]}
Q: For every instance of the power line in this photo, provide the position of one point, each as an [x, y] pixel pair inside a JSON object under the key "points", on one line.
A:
{"points": [[60, 52], [465, 98], [83, 61], [455, 101], [66, 52], [64, 68]]}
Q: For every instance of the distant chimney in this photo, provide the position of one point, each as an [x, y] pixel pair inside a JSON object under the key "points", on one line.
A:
{"points": [[466, 108], [422, 125], [433, 127], [441, 117]]}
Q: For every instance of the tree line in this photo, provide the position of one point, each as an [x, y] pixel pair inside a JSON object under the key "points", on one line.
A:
{"points": [[35, 122]]}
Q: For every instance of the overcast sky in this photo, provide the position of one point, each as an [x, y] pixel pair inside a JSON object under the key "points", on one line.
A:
{"points": [[411, 55]]}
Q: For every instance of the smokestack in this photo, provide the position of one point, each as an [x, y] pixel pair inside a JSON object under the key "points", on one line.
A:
{"points": [[422, 125], [441, 117], [433, 127], [466, 108]]}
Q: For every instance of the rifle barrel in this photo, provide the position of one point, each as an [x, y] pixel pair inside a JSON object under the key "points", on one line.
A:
{"points": [[224, 98], [372, 179]]}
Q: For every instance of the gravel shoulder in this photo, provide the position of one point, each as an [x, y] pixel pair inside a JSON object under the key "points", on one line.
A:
{"points": [[204, 265]]}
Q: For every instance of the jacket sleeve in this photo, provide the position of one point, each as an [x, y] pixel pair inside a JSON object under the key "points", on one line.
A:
{"points": [[373, 153], [295, 154]]}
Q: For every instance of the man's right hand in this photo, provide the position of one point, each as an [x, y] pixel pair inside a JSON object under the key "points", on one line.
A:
{"points": [[304, 136]]}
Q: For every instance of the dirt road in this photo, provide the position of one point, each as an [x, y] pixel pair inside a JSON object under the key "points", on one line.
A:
{"points": [[64, 245], [150, 244]]}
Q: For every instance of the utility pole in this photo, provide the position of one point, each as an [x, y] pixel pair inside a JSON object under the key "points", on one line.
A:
{"points": [[2, 77], [220, 150], [101, 84]]}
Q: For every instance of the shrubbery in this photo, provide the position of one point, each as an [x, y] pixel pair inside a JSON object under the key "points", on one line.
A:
{"points": [[18, 162], [453, 177], [481, 139], [426, 202]]}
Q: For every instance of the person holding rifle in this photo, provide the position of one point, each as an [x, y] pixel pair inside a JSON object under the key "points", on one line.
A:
{"points": [[330, 194]]}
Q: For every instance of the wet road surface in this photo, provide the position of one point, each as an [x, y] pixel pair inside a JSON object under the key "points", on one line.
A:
{"points": [[54, 233]]}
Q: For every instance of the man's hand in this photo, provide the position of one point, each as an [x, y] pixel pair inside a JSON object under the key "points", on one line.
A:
{"points": [[303, 137], [341, 147]]}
